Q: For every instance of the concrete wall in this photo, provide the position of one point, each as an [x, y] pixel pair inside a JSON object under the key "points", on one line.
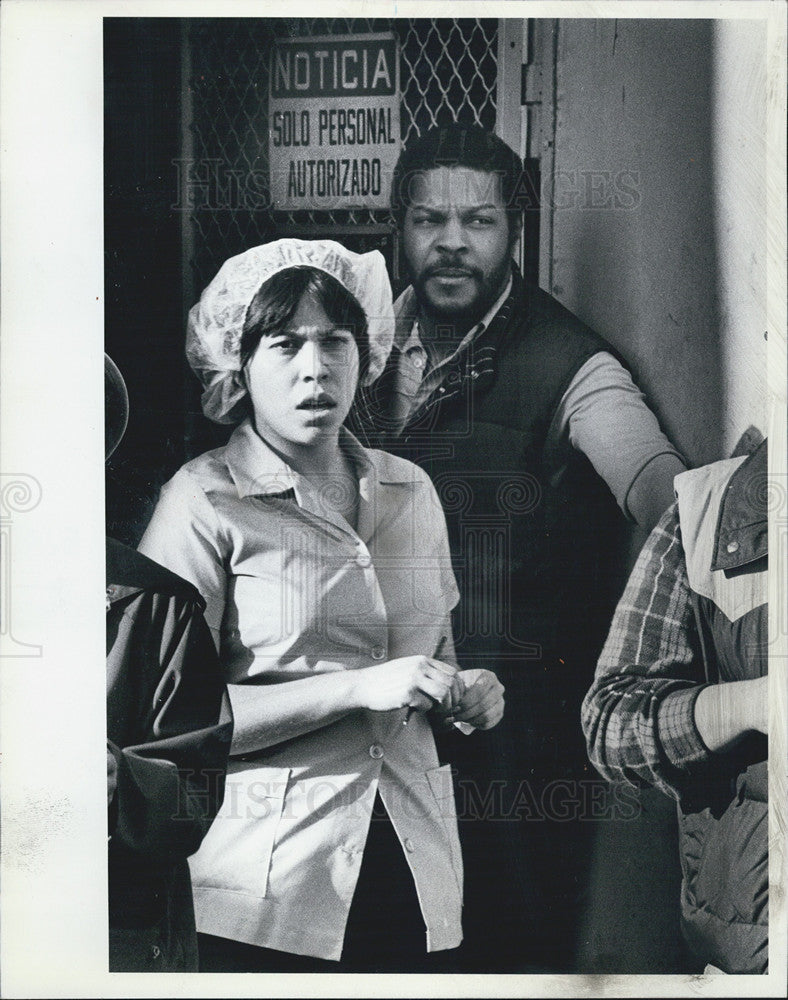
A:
{"points": [[739, 145], [658, 226], [658, 242]]}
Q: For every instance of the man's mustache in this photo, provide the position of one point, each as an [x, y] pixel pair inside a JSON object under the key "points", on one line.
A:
{"points": [[450, 266]]}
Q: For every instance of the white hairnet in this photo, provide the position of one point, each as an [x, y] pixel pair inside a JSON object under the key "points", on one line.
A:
{"points": [[213, 337]]}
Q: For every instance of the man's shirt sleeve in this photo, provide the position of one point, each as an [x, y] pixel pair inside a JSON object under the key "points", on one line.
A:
{"points": [[638, 717], [604, 415]]}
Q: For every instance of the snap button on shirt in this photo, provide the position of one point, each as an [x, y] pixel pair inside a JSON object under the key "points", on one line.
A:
{"points": [[364, 560], [378, 653], [376, 751], [732, 547], [410, 847]]}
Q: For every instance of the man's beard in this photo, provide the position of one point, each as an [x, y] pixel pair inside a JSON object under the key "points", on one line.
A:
{"points": [[487, 291]]}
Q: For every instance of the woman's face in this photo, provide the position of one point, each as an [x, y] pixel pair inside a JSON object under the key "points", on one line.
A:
{"points": [[302, 380]]}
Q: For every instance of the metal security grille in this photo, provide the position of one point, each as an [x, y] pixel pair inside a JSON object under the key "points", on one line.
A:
{"points": [[448, 72]]}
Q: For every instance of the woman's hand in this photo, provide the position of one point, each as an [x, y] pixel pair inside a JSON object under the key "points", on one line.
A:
{"points": [[479, 701], [409, 682], [267, 714]]}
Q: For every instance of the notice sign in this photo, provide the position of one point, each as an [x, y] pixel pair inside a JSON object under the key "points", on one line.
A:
{"points": [[334, 121]]}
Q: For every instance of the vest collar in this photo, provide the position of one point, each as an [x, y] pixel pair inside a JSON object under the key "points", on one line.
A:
{"points": [[742, 531]]}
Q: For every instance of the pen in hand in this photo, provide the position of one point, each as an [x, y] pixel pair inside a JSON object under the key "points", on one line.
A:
{"points": [[435, 656]]}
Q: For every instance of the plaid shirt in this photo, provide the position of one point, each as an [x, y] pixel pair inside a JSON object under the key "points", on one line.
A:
{"points": [[638, 717]]}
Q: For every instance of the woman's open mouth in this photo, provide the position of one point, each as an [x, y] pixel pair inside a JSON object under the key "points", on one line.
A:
{"points": [[321, 403]]}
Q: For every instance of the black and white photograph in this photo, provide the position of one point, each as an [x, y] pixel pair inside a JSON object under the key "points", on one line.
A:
{"points": [[429, 510]]}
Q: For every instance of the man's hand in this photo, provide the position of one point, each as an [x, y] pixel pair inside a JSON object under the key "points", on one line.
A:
{"points": [[726, 712], [478, 702]]}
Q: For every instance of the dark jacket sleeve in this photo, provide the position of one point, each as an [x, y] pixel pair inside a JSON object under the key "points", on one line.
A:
{"points": [[169, 725]]}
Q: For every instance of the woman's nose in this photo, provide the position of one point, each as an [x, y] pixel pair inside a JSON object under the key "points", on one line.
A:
{"points": [[312, 361]]}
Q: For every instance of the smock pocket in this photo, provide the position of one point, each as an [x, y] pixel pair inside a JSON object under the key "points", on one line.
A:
{"points": [[442, 787], [236, 853]]}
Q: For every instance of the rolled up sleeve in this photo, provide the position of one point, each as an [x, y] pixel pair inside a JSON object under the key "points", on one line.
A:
{"points": [[638, 716]]}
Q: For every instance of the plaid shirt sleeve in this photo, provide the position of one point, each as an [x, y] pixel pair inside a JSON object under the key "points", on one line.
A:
{"points": [[638, 717]]}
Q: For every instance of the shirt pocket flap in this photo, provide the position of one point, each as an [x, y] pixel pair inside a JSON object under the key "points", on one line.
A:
{"points": [[440, 780], [236, 853]]}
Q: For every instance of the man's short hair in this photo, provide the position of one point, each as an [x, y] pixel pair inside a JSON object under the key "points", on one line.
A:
{"points": [[458, 145]]}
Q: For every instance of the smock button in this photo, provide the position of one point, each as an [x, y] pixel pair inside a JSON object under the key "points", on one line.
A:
{"points": [[378, 653], [376, 751], [363, 560], [441, 388], [732, 547], [410, 847]]}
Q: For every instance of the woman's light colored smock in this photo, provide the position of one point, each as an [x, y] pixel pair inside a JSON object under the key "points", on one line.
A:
{"points": [[292, 589]]}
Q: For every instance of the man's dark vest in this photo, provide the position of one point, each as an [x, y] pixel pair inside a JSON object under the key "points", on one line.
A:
{"points": [[532, 544]]}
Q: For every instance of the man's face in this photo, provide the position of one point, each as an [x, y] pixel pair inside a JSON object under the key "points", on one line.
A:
{"points": [[457, 243]]}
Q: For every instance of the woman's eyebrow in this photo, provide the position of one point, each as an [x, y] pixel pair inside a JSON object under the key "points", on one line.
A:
{"points": [[303, 331]]}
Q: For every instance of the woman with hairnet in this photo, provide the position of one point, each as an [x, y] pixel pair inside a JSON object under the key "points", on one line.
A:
{"points": [[329, 588]]}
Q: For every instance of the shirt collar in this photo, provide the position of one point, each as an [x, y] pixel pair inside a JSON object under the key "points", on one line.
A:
{"points": [[493, 310], [406, 314], [257, 470]]}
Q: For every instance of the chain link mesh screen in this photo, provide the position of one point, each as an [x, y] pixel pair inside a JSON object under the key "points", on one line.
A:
{"points": [[448, 72]]}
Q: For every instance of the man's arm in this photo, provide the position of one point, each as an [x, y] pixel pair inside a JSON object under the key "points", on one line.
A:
{"points": [[650, 716], [639, 715], [726, 712], [604, 415]]}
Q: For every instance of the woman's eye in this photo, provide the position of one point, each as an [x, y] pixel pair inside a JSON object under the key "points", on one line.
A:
{"points": [[481, 220], [333, 340], [285, 344]]}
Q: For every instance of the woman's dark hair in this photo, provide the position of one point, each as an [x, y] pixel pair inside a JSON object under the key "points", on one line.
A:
{"points": [[459, 145], [277, 300]]}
